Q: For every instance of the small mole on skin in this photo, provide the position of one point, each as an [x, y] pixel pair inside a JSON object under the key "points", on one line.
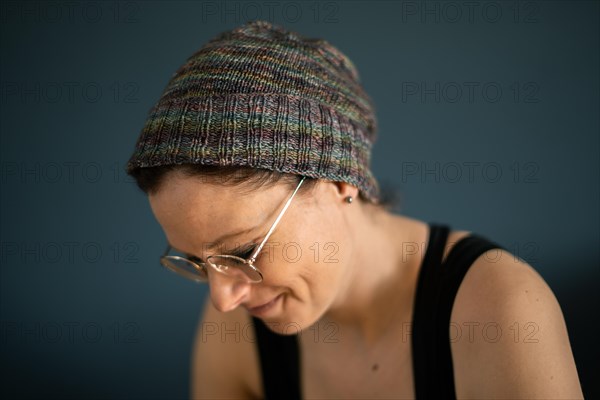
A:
{"points": [[537, 299], [551, 377], [375, 367], [527, 291]]}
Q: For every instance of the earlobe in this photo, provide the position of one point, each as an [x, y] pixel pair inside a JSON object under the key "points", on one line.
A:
{"points": [[346, 191]]}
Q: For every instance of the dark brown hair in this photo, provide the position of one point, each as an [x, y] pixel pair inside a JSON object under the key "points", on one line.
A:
{"points": [[245, 179]]}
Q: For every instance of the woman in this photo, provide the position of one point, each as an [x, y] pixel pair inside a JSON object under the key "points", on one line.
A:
{"points": [[256, 164]]}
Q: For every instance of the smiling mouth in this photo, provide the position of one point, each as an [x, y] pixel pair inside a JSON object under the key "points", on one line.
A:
{"points": [[265, 307]]}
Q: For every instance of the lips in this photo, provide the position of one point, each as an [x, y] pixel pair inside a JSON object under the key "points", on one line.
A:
{"points": [[260, 309]]}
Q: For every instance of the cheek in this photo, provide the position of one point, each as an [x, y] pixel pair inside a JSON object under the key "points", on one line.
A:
{"points": [[311, 267], [312, 252]]}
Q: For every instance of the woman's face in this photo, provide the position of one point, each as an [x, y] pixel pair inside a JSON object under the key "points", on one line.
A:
{"points": [[304, 263]]}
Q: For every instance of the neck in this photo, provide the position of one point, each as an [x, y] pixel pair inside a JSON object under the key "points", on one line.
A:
{"points": [[378, 288]]}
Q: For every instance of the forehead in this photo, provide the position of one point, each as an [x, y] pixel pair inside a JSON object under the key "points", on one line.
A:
{"points": [[193, 212]]}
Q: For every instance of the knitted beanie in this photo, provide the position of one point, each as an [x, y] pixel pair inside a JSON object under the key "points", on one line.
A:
{"points": [[264, 97]]}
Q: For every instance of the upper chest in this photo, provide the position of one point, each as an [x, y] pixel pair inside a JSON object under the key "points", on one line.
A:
{"points": [[336, 366]]}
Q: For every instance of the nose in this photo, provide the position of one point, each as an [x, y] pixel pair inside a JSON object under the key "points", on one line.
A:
{"points": [[227, 292]]}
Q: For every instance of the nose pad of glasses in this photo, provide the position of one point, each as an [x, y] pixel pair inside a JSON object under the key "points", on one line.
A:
{"points": [[235, 267], [231, 273], [227, 273]]}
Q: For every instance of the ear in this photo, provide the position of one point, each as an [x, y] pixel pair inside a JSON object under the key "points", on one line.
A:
{"points": [[344, 189]]}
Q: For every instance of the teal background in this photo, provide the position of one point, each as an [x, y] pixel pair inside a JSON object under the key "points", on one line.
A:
{"points": [[86, 310]]}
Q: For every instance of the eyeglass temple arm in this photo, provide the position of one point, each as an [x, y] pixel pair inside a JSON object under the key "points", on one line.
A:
{"points": [[287, 203]]}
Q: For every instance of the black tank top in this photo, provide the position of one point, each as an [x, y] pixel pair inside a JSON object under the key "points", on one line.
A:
{"points": [[437, 286]]}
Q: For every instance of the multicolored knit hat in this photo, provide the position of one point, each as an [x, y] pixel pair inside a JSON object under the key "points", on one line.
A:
{"points": [[264, 97]]}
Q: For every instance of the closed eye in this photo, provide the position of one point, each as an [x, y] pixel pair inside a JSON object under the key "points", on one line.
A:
{"points": [[194, 259], [245, 252]]}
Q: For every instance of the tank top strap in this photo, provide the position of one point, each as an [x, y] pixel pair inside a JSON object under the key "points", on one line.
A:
{"points": [[436, 291], [279, 362], [425, 315]]}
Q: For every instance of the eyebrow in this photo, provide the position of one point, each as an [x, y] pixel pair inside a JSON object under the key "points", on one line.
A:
{"points": [[238, 250], [263, 223], [220, 241]]}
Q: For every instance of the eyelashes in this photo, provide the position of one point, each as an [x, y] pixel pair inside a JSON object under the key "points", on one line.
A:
{"points": [[242, 252], [246, 251], [194, 259]]}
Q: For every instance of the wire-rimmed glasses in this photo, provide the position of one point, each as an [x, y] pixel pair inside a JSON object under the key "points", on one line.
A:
{"points": [[232, 265]]}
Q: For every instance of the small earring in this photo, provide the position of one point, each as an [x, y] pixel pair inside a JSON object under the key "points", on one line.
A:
{"points": [[349, 199]]}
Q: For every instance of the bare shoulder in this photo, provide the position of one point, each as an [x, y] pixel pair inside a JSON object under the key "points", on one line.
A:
{"points": [[508, 334], [224, 359]]}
